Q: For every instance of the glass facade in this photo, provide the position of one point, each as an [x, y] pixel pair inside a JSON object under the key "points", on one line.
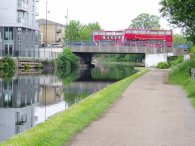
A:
{"points": [[8, 33]]}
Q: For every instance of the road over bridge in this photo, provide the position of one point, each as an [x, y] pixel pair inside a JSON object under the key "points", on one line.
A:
{"points": [[126, 50], [153, 55]]}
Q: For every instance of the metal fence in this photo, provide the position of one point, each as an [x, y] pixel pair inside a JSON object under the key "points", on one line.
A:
{"points": [[41, 54]]}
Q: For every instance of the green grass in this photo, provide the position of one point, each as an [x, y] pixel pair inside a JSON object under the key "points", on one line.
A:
{"points": [[59, 129], [181, 75]]}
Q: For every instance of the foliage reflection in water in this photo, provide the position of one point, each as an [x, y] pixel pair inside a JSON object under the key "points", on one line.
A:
{"points": [[27, 100]]}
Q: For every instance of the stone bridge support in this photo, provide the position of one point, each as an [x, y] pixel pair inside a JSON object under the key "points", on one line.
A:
{"points": [[151, 60]]}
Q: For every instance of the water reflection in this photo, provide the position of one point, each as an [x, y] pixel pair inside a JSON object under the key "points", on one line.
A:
{"points": [[27, 100], [17, 105]]}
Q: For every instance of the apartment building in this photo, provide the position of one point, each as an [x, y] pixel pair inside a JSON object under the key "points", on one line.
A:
{"points": [[18, 28], [55, 32], [0, 45]]}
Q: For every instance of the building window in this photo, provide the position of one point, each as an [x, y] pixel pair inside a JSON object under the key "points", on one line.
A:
{"points": [[33, 19], [19, 47], [8, 33], [8, 49], [19, 36]]}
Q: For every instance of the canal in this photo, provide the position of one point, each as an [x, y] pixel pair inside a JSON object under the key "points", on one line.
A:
{"points": [[27, 100]]}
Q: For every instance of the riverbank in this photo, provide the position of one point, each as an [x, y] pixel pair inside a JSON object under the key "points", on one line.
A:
{"points": [[181, 75], [59, 129]]}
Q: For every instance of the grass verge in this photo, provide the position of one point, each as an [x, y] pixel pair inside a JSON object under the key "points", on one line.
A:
{"points": [[59, 129], [181, 75]]}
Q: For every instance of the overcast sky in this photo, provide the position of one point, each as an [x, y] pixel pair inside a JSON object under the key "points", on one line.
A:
{"points": [[111, 14]]}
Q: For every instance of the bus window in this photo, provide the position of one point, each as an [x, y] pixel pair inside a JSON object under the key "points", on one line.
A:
{"points": [[161, 32], [108, 33], [119, 33], [95, 33], [168, 32], [153, 32], [134, 31], [142, 31], [128, 31], [101, 33]]}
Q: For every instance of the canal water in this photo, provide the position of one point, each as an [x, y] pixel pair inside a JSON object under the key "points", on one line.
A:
{"points": [[27, 100]]}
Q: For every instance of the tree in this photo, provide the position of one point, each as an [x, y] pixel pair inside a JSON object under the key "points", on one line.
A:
{"points": [[145, 21], [179, 39], [75, 31], [86, 30], [180, 13], [72, 31]]}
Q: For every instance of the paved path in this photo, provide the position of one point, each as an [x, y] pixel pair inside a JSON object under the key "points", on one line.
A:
{"points": [[150, 113]]}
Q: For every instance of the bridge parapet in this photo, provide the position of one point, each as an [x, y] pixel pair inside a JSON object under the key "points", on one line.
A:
{"points": [[125, 50]]}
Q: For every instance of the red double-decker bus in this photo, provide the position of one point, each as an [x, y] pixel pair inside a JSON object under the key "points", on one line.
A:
{"points": [[134, 37], [148, 37], [102, 37]]}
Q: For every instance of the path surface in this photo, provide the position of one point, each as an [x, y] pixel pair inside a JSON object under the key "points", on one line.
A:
{"points": [[150, 113]]}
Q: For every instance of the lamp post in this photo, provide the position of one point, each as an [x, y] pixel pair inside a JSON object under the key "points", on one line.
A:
{"points": [[46, 24], [66, 25], [46, 27]]}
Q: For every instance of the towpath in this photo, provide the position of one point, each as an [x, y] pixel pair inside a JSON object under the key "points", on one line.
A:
{"points": [[149, 113]]}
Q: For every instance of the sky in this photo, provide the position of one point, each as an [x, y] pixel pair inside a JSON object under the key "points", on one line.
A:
{"points": [[111, 14]]}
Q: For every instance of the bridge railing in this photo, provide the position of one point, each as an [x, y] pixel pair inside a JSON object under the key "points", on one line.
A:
{"points": [[151, 44], [51, 52], [129, 43]]}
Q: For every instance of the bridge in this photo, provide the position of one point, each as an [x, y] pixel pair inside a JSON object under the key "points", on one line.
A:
{"points": [[153, 53]]}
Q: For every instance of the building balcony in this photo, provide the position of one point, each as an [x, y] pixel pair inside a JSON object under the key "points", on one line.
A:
{"points": [[22, 6], [59, 30], [37, 13], [58, 39], [22, 21]]}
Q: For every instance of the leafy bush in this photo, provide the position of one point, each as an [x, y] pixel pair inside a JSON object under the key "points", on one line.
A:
{"points": [[192, 50], [181, 75], [137, 58], [67, 60], [27, 67], [177, 60], [7, 68], [7, 63], [39, 66], [163, 65]]}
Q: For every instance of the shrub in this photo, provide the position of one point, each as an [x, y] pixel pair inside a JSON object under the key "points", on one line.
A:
{"points": [[27, 67], [192, 50], [181, 75], [39, 66], [176, 61], [7, 63], [67, 60], [163, 65]]}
